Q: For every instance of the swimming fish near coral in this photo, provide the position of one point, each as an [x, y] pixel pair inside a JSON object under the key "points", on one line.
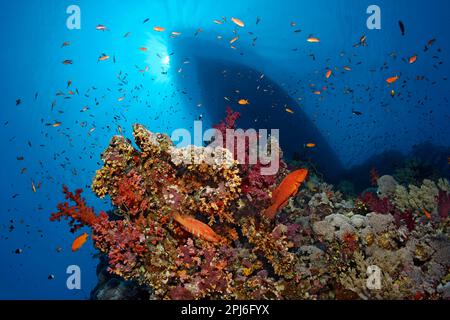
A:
{"points": [[392, 79], [243, 102], [79, 241], [286, 189], [427, 214], [196, 228]]}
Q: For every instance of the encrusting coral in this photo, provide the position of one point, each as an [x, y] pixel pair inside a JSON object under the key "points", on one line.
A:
{"points": [[188, 224]]}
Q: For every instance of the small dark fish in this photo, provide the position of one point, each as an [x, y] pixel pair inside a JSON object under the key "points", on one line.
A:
{"points": [[146, 20], [357, 113], [51, 277], [18, 101], [18, 251], [20, 158], [402, 27]]}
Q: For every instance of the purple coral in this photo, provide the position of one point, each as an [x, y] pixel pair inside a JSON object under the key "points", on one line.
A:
{"points": [[376, 204], [443, 204]]}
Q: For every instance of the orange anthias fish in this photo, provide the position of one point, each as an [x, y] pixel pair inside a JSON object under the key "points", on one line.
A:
{"points": [[286, 189], [159, 29], [197, 228], [243, 102], [79, 241], [392, 79], [313, 39], [328, 74], [103, 57], [427, 214], [101, 27], [238, 22]]}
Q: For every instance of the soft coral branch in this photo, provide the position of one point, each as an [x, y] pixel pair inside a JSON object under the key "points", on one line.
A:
{"points": [[80, 214], [255, 185], [444, 204]]}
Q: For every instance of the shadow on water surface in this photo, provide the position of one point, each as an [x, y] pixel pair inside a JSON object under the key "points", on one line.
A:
{"points": [[222, 82]]}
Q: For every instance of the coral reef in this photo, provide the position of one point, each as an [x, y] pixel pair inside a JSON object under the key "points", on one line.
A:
{"points": [[188, 224]]}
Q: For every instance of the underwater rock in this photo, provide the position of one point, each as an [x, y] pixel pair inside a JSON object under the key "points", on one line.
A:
{"points": [[116, 289], [111, 287]]}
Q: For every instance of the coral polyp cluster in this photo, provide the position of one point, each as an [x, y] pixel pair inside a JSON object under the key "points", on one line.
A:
{"points": [[188, 223]]}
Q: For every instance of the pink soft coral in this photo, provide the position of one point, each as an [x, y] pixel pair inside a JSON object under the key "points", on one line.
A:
{"points": [[255, 185]]}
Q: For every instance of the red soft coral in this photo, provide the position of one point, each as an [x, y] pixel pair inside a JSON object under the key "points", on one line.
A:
{"points": [[254, 184], [229, 122], [124, 242], [406, 218], [80, 214], [131, 194], [385, 206]]}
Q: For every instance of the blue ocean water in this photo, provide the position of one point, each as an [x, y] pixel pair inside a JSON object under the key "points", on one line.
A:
{"points": [[353, 120]]}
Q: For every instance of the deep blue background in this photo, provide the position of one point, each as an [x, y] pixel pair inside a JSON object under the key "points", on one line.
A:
{"points": [[32, 33]]}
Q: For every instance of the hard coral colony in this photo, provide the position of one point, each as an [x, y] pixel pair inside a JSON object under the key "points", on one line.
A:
{"points": [[196, 229]]}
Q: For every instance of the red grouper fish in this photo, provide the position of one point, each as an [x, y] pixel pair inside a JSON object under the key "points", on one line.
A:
{"points": [[196, 228], [286, 189]]}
